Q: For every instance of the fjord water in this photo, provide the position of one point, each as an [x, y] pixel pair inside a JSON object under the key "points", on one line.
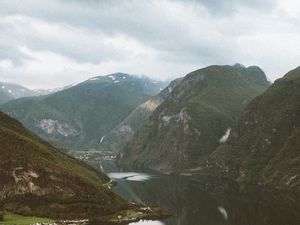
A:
{"points": [[195, 200]]}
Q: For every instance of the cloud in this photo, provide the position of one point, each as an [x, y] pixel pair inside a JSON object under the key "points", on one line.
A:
{"points": [[54, 43], [225, 8]]}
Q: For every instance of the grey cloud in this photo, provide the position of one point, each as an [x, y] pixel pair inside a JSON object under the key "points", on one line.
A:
{"points": [[181, 33], [141, 20], [82, 48], [226, 7]]}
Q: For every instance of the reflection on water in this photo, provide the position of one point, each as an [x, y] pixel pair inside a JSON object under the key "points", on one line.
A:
{"points": [[130, 176], [145, 222], [195, 200]]}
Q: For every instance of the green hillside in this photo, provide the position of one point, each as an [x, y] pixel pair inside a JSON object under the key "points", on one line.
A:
{"points": [[37, 179], [117, 138], [194, 119], [80, 116], [264, 146]]}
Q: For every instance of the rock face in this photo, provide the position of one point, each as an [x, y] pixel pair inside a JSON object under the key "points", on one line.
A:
{"points": [[192, 121], [80, 116], [37, 179], [264, 145], [116, 139]]}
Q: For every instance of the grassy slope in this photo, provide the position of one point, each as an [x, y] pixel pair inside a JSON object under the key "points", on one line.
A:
{"points": [[264, 146], [37, 179], [189, 124], [10, 218]]}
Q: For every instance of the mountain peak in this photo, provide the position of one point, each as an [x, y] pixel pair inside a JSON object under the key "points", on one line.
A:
{"points": [[239, 65], [190, 122], [293, 74]]}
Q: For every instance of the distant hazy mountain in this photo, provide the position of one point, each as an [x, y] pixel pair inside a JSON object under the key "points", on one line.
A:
{"points": [[10, 91], [196, 117], [81, 116], [4, 97], [37, 179], [264, 146], [38, 92], [116, 139]]}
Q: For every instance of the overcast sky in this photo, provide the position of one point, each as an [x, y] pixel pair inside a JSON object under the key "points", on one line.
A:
{"points": [[51, 43]]}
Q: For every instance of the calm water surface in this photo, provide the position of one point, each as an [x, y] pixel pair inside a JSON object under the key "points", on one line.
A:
{"points": [[197, 200]]}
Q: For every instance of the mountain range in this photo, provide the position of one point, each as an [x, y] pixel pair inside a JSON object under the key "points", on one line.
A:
{"points": [[226, 121], [194, 119], [79, 117], [10, 91]]}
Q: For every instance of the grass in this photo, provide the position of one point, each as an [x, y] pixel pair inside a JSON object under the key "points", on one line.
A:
{"points": [[11, 219]]}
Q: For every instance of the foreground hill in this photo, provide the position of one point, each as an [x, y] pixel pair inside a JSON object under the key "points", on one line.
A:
{"points": [[195, 118], [264, 146], [117, 138], [37, 179], [79, 117]]}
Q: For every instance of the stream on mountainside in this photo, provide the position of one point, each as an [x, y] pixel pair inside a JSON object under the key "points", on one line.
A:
{"points": [[196, 200]]}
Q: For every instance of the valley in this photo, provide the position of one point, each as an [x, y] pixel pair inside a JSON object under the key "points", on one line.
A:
{"points": [[149, 112], [195, 150]]}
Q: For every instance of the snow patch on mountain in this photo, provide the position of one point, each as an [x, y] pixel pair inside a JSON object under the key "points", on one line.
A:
{"points": [[112, 77], [95, 78]]}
